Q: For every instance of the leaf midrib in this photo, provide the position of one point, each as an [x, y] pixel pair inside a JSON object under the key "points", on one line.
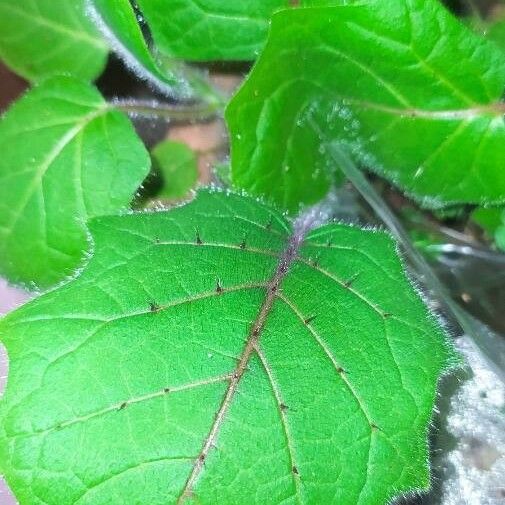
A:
{"points": [[273, 293], [49, 160]]}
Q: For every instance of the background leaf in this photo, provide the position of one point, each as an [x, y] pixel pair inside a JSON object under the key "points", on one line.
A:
{"points": [[177, 164], [379, 77], [119, 22], [66, 156], [213, 354], [492, 221], [40, 38], [496, 33], [210, 30], [203, 30]]}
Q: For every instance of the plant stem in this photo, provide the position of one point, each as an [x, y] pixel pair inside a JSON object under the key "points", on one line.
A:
{"points": [[197, 80], [201, 111], [204, 90], [466, 322]]}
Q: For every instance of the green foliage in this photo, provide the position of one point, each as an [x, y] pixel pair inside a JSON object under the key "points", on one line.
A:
{"points": [[211, 353], [40, 38], [178, 167], [66, 156], [496, 33], [492, 220], [500, 237], [119, 20], [379, 77], [210, 29]]}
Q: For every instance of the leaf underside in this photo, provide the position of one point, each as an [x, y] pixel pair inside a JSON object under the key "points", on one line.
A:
{"points": [[380, 78], [40, 38], [66, 157], [211, 355]]}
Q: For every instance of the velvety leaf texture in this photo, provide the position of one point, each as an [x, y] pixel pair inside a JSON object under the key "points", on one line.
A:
{"points": [[412, 93], [119, 23], [210, 29], [66, 156], [212, 355], [40, 38]]}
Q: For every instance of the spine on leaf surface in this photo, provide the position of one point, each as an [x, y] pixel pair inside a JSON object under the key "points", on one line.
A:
{"points": [[217, 354]]}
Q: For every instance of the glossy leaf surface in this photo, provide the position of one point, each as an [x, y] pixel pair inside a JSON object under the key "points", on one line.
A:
{"points": [[40, 38], [379, 77], [66, 157], [213, 355]]}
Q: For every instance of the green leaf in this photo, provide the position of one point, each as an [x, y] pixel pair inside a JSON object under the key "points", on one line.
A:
{"points": [[492, 220], [380, 78], [327, 3], [488, 219], [209, 30], [39, 38], [178, 167], [499, 237], [211, 355], [203, 30], [496, 33], [66, 156], [119, 23]]}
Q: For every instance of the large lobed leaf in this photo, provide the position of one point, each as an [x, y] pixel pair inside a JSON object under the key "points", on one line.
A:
{"points": [[66, 157], [409, 90], [212, 355], [40, 38]]}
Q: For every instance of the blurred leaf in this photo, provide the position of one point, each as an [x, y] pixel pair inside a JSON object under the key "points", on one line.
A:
{"points": [[379, 77], [39, 38], [496, 33], [177, 164], [223, 173], [489, 219], [66, 157], [499, 237], [492, 220]]}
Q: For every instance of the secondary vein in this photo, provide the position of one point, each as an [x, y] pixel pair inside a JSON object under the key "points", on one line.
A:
{"points": [[303, 225]]}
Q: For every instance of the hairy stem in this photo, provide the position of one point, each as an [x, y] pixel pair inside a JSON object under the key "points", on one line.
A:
{"points": [[197, 112]]}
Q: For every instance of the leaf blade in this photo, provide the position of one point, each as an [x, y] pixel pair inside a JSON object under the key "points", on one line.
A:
{"points": [[178, 166], [163, 382], [56, 39], [53, 177], [119, 23], [385, 86], [208, 30]]}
